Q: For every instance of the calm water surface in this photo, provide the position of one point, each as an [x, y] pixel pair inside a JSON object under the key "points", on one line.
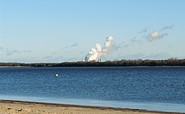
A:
{"points": [[153, 88]]}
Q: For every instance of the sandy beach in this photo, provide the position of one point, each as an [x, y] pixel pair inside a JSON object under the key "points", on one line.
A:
{"points": [[20, 107]]}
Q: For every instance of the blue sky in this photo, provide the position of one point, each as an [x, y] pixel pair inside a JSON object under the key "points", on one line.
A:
{"points": [[66, 30]]}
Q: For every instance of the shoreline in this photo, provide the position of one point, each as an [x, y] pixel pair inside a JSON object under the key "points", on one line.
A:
{"points": [[137, 62], [86, 66], [21, 107]]}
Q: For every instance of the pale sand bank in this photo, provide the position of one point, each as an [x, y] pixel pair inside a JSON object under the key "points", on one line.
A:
{"points": [[20, 107]]}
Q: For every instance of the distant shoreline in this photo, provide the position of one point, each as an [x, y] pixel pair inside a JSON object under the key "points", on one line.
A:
{"points": [[88, 66], [15, 67], [116, 63], [13, 106]]}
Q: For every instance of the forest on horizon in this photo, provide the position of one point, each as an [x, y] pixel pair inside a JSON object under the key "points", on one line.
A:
{"points": [[139, 62]]}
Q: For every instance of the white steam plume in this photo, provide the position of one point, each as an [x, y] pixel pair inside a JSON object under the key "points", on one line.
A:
{"points": [[96, 53]]}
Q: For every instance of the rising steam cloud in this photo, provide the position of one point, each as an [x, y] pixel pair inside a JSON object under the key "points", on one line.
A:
{"points": [[96, 53]]}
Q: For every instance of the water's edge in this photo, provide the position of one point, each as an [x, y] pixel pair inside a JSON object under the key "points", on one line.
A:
{"points": [[148, 106]]}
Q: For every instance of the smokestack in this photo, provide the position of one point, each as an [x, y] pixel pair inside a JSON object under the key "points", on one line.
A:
{"points": [[96, 53]]}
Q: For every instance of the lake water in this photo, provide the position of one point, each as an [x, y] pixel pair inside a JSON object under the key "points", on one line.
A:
{"points": [[151, 88]]}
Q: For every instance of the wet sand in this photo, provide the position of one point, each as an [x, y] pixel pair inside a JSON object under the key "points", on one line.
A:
{"points": [[22, 107]]}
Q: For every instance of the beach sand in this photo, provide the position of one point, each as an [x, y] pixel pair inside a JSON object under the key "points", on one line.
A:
{"points": [[21, 107]]}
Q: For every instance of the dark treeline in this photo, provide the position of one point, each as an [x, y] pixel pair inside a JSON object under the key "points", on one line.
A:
{"points": [[169, 62]]}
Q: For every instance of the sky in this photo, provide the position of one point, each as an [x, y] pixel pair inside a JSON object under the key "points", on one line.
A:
{"points": [[34, 31]]}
